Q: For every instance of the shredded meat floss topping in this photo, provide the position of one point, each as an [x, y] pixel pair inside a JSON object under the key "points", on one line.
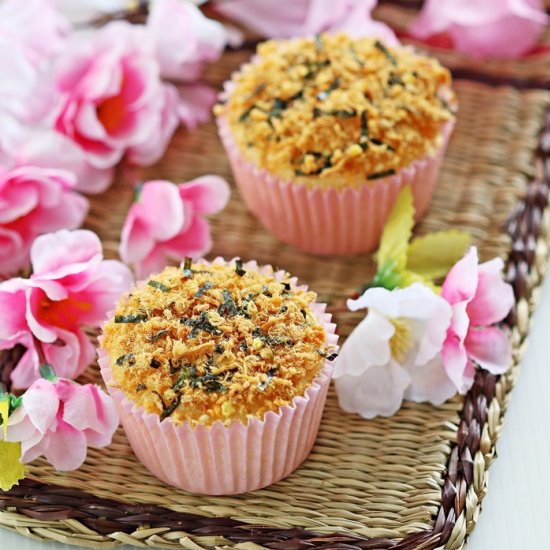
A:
{"points": [[204, 343], [336, 112]]}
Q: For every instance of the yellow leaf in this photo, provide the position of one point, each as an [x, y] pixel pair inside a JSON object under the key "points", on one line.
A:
{"points": [[4, 413], [433, 255], [11, 470], [408, 278], [397, 232]]}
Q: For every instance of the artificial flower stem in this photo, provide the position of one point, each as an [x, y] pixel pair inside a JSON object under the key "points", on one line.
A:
{"points": [[46, 370], [39, 350], [138, 187]]}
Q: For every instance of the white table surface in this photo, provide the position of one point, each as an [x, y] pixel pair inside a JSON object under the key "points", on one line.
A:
{"points": [[516, 513]]}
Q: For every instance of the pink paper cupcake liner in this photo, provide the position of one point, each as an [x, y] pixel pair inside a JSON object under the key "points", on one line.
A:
{"points": [[224, 460], [330, 221]]}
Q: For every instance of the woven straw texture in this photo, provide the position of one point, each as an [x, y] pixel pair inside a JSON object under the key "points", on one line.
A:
{"points": [[415, 480]]}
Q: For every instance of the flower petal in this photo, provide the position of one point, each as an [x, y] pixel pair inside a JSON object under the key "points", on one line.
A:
{"points": [[455, 359], [208, 194], [52, 254], [136, 241], [461, 281], [153, 263], [367, 346], [493, 298], [66, 448], [419, 302], [21, 428], [358, 22], [72, 356], [89, 410], [195, 102], [26, 371], [41, 404], [160, 209], [184, 38], [195, 241], [377, 392], [499, 28], [384, 301], [12, 309], [490, 348], [430, 382]]}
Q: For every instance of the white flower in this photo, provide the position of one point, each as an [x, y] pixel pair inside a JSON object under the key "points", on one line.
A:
{"points": [[394, 353]]}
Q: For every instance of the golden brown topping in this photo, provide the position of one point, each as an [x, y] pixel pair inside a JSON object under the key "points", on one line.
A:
{"points": [[216, 342], [334, 111]]}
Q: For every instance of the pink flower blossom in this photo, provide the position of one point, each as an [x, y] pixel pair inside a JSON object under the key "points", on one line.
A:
{"points": [[111, 98], [167, 221], [60, 419], [71, 286], [184, 38], [288, 18], [27, 42], [35, 25], [26, 93], [479, 298], [484, 28], [34, 201]]}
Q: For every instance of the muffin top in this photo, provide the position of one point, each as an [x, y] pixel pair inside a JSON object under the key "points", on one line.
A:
{"points": [[213, 342], [332, 111]]}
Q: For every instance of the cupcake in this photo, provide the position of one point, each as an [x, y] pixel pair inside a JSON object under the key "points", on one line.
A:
{"points": [[220, 373], [322, 133]]}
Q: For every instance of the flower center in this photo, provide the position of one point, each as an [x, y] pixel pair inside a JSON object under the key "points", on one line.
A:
{"points": [[64, 313], [110, 112], [402, 339]]}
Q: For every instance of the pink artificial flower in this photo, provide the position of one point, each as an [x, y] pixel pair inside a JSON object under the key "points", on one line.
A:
{"points": [[60, 419], [71, 286], [184, 38], [27, 42], [479, 298], [484, 28], [34, 201], [288, 18], [111, 98], [167, 221], [35, 25], [26, 92]]}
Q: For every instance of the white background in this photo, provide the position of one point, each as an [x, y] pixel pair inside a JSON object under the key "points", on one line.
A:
{"points": [[516, 514]]}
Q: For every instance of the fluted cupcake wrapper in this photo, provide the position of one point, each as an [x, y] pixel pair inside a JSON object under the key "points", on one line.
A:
{"points": [[330, 221], [224, 460]]}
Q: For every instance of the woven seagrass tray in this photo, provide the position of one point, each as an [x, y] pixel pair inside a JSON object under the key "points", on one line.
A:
{"points": [[413, 481]]}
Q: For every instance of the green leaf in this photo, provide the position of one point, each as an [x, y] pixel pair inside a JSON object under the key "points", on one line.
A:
{"points": [[388, 276], [397, 232], [433, 255], [12, 470], [47, 372]]}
